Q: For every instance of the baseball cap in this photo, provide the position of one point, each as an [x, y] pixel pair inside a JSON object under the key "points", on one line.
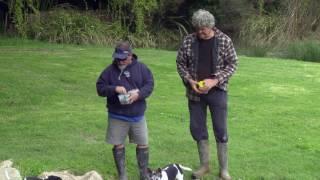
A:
{"points": [[122, 50]]}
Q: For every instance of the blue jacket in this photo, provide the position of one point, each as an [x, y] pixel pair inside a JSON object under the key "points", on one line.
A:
{"points": [[135, 76]]}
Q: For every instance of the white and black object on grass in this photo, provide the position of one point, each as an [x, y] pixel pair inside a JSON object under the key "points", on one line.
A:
{"points": [[169, 172]]}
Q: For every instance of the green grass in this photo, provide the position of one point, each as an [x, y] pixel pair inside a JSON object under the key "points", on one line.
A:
{"points": [[52, 119]]}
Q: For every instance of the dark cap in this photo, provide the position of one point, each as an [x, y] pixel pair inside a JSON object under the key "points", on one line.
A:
{"points": [[122, 50]]}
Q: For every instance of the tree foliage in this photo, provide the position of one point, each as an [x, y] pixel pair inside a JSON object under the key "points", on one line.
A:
{"points": [[132, 13], [254, 22]]}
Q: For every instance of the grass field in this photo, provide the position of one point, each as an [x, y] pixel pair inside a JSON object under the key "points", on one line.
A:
{"points": [[52, 119]]}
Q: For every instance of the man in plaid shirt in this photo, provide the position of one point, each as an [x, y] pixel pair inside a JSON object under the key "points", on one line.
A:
{"points": [[207, 55]]}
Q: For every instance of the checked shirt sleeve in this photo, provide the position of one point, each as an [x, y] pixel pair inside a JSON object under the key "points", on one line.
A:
{"points": [[230, 61], [182, 59]]}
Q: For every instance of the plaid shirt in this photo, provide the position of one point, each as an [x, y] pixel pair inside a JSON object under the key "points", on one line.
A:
{"points": [[187, 60]]}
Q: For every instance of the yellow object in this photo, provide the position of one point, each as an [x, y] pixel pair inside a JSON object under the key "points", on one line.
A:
{"points": [[201, 84]]}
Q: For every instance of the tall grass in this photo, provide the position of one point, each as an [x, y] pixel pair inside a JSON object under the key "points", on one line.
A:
{"points": [[305, 51], [75, 27], [294, 21], [253, 51], [70, 26]]}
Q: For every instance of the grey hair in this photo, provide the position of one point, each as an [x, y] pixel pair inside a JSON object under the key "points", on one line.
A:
{"points": [[203, 18]]}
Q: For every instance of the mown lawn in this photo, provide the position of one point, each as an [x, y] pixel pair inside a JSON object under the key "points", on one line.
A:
{"points": [[52, 119]]}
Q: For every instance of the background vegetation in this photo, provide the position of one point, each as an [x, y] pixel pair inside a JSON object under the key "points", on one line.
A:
{"points": [[52, 119], [258, 27]]}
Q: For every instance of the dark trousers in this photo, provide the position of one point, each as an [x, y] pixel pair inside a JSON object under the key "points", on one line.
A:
{"points": [[216, 100]]}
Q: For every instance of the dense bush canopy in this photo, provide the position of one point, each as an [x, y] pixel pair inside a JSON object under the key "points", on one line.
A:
{"points": [[260, 26]]}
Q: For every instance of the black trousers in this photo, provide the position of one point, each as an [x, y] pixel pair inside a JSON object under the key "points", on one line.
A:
{"points": [[216, 100]]}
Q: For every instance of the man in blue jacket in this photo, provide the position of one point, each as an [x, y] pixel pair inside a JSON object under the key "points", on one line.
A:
{"points": [[126, 83]]}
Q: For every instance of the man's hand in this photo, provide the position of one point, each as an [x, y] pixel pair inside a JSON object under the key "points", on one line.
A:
{"points": [[121, 90], [209, 84], [133, 96], [194, 86]]}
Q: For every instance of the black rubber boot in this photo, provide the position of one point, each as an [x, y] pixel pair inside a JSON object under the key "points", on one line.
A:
{"points": [[120, 160], [143, 160]]}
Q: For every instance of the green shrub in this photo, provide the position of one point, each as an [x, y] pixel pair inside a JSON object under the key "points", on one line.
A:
{"points": [[305, 51], [163, 38], [168, 39], [260, 31], [69, 26], [144, 39], [258, 51], [34, 26], [74, 27]]}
